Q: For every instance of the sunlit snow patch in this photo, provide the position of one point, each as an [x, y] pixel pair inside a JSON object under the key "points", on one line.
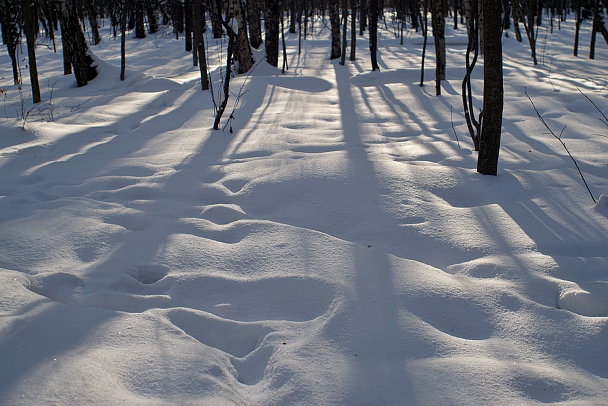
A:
{"points": [[581, 302]]}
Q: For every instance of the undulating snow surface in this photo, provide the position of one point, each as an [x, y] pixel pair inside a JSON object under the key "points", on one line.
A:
{"points": [[338, 247]]}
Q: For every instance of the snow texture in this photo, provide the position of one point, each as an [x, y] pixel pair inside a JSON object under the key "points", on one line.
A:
{"points": [[337, 248]]}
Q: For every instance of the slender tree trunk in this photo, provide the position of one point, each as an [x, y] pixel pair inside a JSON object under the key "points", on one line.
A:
{"points": [[577, 25], [242, 51], [272, 32], [334, 19], [93, 22], [363, 5], [10, 34], [439, 35], [472, 21], [75, 44], [425, 33], [30, 34], [188, 25], [216, 18], [529, 26], [199, 44], [596, 19], [254, 23], [353, 31], [123, 40], [283, 45], [293, 13], [140, 29], [373, 33], [344, 29], [487, 163]]}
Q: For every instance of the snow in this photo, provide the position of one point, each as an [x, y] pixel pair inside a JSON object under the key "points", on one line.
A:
{"points": [[337, 248]]}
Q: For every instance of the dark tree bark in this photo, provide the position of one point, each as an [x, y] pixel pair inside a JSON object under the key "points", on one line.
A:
{"points": [[528, 21], [75, 44], [293, 13], [577, 25], [10, 33], [123, 40], [92, 13], [344, 30], [353, 31], [199, 44], [188, 25], [439, 35], [272, 32], [140, 29], [242, 51], [373, 33], [334, 19], [216, 18], [151, 9], [596, 22], [363, 15], [425, 32], [487, 163], [254, 22], [472, 20], [30, 34]]}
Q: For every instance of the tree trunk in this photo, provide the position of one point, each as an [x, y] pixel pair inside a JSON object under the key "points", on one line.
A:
{"points": [[425, 33], [123, 40], [596, 19], [216, 18], [363, 15], [93, 22], [199, 44], [334, 20], [30, 34], [353, 30], [75, 44], [254, 23], [373, 33], [10, 34], [439, 35], [272, 32], [577, 25], [487, 163], [293, 13], [242, 51], [188, 25], [344, 31], [140, 29]]}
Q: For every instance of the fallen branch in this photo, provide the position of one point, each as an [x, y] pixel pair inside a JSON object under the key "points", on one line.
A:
{"points": [[559, 138]]}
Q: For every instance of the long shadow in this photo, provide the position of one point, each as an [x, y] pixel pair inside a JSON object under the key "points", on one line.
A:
{"points": [[23, 351], [43, 342], [370, 282]]}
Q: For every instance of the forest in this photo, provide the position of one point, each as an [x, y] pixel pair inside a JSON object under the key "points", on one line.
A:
{"points": [[287, 203]]}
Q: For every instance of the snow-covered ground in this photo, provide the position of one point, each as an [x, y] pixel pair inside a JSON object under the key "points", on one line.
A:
{"points": [[337, 248]]}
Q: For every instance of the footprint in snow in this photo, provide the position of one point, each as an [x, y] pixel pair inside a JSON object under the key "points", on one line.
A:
{"points": [[234, 316]]}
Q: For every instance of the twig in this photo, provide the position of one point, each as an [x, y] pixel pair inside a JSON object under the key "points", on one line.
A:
{"points": [[559, 138], [605, 121], [452, 121]]}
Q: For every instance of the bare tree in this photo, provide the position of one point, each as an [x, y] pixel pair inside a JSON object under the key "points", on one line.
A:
{"points": [[254, 23], [334, 19], [373, 33], [439, 35], [242, 51], [30, 35], [272, 31], [75, 46], [9, 19], [489, 147]]}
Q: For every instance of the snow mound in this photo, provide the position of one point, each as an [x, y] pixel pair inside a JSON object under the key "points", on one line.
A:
{"points": [[584, 303]]}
